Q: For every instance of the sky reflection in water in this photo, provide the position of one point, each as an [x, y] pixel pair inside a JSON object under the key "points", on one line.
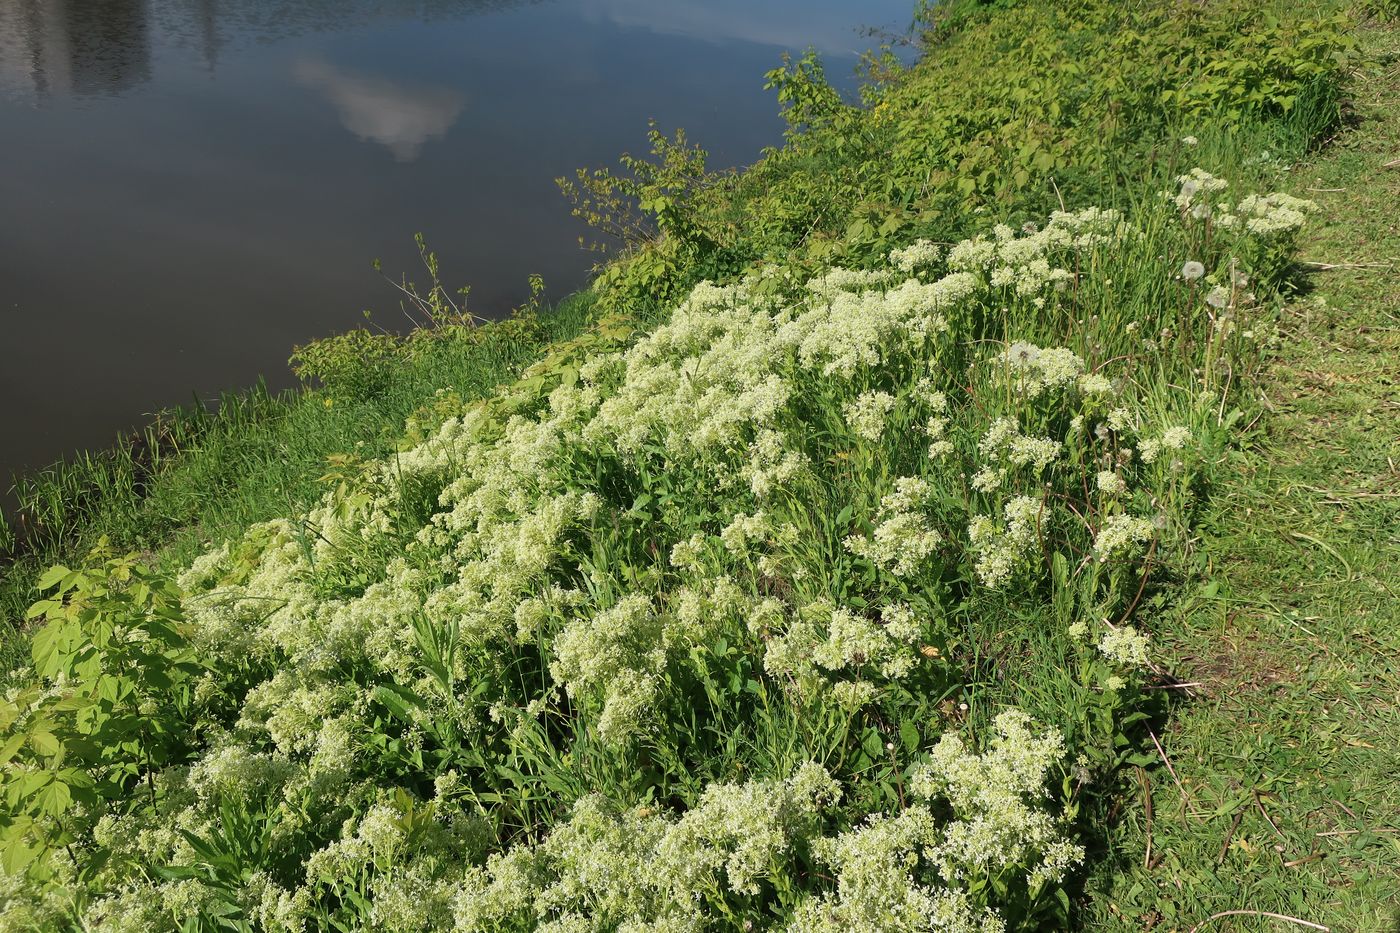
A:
{"points": [[188, 188]]}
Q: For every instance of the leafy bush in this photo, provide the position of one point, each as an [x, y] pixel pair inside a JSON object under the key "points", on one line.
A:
{"points": [[110, 704], [1036, 103]]}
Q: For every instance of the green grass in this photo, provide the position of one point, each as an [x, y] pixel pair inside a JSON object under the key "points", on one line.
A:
{"points": [[1272, 594], [1289, 795]]}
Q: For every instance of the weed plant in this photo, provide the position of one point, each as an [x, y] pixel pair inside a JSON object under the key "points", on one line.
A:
{"points": [[809, 587]]}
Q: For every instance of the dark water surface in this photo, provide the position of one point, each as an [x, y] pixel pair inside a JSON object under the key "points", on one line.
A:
{"points": [[188, 188]]}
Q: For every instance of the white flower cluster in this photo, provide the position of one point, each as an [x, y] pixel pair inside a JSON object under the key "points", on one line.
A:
{"points": [[1266, 216], [772, 464], [1121, 534], [1005, 446], [911, 872], [608, 868], [1110, 483], [1175, 438], [1035, 371], [1002, 547], [1026, 264], [1125, 646], [904, 536], [866, 414], [920, 254]]}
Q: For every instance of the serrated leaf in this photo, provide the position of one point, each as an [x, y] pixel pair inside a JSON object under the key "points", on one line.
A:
{"points": [[45, 743], [54, 799], [52, 576]]}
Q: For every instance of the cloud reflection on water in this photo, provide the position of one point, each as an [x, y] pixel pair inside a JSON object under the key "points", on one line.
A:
{"points": [[401, 117]]}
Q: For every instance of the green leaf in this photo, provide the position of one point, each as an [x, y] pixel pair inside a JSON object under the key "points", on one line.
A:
{"points": [[909, 736], [18, 855], [54, 799], [872, 744], [45, 743], [400, 701], [12, 745], [52, 576], [44, 645]]}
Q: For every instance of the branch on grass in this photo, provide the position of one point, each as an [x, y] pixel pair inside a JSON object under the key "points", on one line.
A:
{"points": [[1269, 819], [1190, 801], [1229, 835], [1329, 266], [1260, 913]]}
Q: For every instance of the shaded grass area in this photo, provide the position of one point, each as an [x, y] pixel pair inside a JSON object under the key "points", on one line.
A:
{"points": [[1285, 796], [196, 478]]}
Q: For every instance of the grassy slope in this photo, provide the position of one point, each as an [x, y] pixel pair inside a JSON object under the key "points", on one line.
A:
{"points": [[1293, 651], [263, 456], [1287, 752]]}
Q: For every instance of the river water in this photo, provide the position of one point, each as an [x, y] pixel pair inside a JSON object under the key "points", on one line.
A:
{"points": [[189, 188]]}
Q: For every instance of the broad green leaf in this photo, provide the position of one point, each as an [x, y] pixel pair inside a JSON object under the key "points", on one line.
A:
{"points": [[45, 743], [909, 736], [52, 576], [12, 745], [54, 799]]}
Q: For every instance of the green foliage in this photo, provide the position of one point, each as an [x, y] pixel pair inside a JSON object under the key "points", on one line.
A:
{"points": [[651, 211], [353, 366], [360, 364], [711, 618], [109, 707], [1387, 11], [1035, 104]]}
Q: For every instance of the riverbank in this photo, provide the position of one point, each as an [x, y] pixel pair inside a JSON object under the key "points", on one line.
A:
{"points": [[194, 478], [825, 569]]}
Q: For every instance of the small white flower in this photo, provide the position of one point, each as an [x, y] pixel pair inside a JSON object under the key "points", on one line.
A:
{"points": [[1110, 483], [1125, 646]]}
